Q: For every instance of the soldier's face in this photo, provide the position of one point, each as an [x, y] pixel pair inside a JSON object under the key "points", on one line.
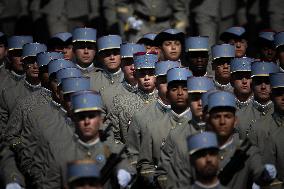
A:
{"points": [[150, 48], [261, 89], [278, 99], [206, 163], [177, 95], [198, 61], [16, 63], [85, 53], [66, 50], [171, 49], [88, 124], [241, 46], [222, 122], [31, 67], [196, 105], [241, 82], [268, 53], [222, 68], [3, 51], [111, 59], [128, 68], [146, 79], [162, 87]]}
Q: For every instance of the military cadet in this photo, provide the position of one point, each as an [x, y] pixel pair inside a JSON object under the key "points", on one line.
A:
{"points": [[170, 42], [83, 173], [140, 17], [148, 40], [129, 83], [221, 58], [241, 81], [196, 53], [241, 163], [279, 45], [153, 111], [19, 117], [62, 42], [157, 131], [109, 57], [15, 68], [84, 48], [236, 36], [261, 105], [31, 83], [204, 158], [85, 143], [174, 152], [125, 105], [266, 46]]}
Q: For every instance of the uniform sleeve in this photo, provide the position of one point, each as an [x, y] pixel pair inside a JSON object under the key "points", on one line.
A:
{"points": [[4, 111], [145, 160], [133, 141], [8, 167]]}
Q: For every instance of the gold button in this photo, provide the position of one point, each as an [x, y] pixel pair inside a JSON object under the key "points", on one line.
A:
{"points": [[89, 154], [221, 157], [146, 102], [112, 81]]}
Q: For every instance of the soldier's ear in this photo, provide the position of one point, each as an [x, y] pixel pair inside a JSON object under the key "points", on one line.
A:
{"points": [[237, 121]]}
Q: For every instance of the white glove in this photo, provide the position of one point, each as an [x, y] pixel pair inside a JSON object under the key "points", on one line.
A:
{"points": [[134, 23], [123, 177], [13, 185], [271, 170], [255, 186]]}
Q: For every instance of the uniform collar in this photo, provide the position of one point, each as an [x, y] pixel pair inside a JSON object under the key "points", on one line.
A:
{"points": [[87, 69], [162, 105], [241, 104], [118, 74], [47, 91], [264, 108], [129, 87], [184, 115], [87, 145], [17, 76], [57, 105], [199, 184], [198, 125], [148, 97], [33, 87], [2, 64], [228, 86]]}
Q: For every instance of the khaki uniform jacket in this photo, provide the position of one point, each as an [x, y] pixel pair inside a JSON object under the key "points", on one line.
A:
{"points": [[154, 138], [152, 112], [124, 107]]}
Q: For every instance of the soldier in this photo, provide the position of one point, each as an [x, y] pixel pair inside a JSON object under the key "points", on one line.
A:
{"points": [[241, 163], [83, 173], [85, 143], [174, 154], [153, 111], [62, 42], [109, 57], [221, 58], [279, 45], [148, 40], [261, 105], [196, 54], [266, 46], [15, 68], [241, 81], [140, 17], [156, 131], [170, 42], [236, 36], [84, 48], [204, 158], [124, 106], [129, 83], [31, 83]]}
